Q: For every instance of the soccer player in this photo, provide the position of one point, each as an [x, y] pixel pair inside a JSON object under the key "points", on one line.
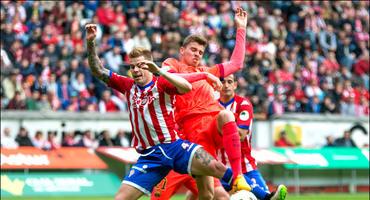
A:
{"points": [[199, 115], [150, 104], [243, 110]]}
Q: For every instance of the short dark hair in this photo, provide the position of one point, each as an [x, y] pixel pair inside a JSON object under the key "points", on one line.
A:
{"points": [[140, 51], [195, 38]]}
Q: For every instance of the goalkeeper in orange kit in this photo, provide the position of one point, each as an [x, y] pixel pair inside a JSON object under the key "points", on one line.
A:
{"points": [[200, 116]]}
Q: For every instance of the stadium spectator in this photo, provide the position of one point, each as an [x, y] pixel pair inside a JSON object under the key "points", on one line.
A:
{"points": [[22, 138], [328, 39], [110, 103], [38, 141], [292, 105], [17, 103], [276, 106], [88, 140], [64, 90], [7, 141], [345, 141], [328, 106], [31, 102], [283, 141], [329, 141], [314, 105], [141, 40], [68, 139], [11, 84], [361, 68], [51, 142], [105, 139], [122, 139], [114, 59]]}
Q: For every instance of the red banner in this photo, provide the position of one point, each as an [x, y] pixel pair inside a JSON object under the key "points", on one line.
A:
{"points": [[63, 158]]}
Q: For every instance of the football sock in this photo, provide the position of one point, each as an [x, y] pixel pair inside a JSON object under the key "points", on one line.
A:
{"points": [[231, 142], [258, 191], [228, 176]]}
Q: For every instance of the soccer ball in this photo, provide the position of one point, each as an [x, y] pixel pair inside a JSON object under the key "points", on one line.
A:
{"points": [[243, 195]]}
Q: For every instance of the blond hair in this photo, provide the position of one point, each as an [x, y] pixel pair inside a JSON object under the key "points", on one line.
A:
{"points": [[140, 51]]}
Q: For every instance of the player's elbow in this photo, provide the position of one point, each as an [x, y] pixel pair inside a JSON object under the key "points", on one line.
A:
{"points": [[239, 65], [187, 87]]}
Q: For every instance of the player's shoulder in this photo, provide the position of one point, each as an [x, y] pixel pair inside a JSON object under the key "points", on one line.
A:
{"points": [[114, 77], [242, 100], [171, 63]]}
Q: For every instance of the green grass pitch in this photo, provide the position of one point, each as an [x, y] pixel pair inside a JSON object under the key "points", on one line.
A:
{"points": [[361, 196]]}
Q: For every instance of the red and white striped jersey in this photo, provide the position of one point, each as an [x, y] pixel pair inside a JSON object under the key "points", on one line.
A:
{"points": [[243, 111], [151, 110]]}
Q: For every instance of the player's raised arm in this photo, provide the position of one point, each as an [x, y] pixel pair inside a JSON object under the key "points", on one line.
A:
{"points": [[96, 67], [237, 57], [182, 85]]}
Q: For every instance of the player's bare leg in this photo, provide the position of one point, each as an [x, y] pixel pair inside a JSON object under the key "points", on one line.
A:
{"points": [[205, 187], [204, 166], [128, 192], [190, 196], [220, 194]]}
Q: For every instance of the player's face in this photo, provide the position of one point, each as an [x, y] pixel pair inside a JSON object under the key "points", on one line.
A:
{"points": [[192, 54], [228, 86], [141, 77]]}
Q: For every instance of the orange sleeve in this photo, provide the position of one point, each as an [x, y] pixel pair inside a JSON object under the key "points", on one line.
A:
{"points": [[172, 64], [216, 70]]}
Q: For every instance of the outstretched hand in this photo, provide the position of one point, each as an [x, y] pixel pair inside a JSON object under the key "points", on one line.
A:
{"points": [[91, 30], [150, 66], [241, 18]]}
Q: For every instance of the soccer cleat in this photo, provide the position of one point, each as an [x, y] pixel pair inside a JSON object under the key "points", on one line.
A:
{"points": [[240, 184], [280, 193]]}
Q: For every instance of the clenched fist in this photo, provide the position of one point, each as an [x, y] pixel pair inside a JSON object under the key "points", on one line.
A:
{"points": [[91, 30]]}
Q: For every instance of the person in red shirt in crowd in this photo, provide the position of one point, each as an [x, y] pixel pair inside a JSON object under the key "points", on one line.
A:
{"points": [[109, 103], [284, 73], [331, 64], [106, 15], [348, 91], [282, 141], [361, 68], [298, 92]]}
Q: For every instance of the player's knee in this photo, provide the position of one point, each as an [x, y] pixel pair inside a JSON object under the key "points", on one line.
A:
{"points": [[206, 194], [120, 196], [216, 169], [226, 116], [221, 194]]}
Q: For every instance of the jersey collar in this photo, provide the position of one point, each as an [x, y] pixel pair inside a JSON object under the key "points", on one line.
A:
{"points": [[227, 103], [147, 85]]}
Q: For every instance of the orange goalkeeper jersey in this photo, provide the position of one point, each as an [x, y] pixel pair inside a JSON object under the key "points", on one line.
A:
{"points": [[200, 100]]}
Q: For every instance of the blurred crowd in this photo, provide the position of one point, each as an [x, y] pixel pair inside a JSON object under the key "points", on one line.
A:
{"points": [[49, 140], [301, 56]]}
